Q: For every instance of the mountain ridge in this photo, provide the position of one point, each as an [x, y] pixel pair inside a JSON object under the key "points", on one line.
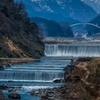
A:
{"points": [[76, 9], [52, 28], [95, 4]]}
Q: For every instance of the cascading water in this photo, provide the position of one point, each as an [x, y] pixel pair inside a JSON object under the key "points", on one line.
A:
{"points": [[75, 50], [31, 75], [36, 75], [44, 71]]}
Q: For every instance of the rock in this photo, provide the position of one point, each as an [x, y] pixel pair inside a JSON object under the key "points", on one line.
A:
{"points": [[2, 67], [4, 87], [2, 96], [43, 97], [12, 89], [68, 78], [36, 92], [57, 80], [10, 80], [75, 78], [8, 65], [14, 96]]}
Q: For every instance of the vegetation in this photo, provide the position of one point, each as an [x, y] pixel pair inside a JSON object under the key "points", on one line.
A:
{"points": [[92, 29], [19, 36], [94, 76], [53, 28], [85, 79]]}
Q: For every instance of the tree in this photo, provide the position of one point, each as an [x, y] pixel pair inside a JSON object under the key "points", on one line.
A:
{"points": [[89, 33]]}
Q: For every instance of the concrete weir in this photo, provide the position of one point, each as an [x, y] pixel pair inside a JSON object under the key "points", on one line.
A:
{"points": [[74, 50]]}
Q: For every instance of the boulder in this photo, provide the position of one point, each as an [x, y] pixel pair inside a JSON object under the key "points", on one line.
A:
{"points": [[14, 96], [2, 96], [57, 80], [4, 87], [8, 65], [10, 81], [44, 97], [2, 67], [76, 78]]}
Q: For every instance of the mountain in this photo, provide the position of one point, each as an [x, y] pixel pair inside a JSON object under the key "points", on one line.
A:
{"points": [[59, 10], [95, 4], [52, 28], [93, 29], [19, 36]]}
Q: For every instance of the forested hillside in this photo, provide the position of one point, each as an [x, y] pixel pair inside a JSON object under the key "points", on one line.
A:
{"points": [[53, 29], [19, 36], [94, 29]]}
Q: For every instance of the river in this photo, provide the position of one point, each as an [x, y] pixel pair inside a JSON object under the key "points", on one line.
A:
{"points": [[34, 76], [40, 75]]}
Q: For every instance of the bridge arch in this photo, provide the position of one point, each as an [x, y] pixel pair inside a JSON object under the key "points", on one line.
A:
{"points": [[85, 24]]}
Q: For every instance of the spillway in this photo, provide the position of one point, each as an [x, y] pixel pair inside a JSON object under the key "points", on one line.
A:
{"points": [[31, 75], [75, 50]]}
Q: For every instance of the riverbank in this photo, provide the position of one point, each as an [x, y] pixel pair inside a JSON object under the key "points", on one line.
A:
{"points": [[84, 83]]}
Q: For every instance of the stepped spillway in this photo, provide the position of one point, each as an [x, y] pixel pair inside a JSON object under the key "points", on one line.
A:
{"points": [[31, 75], [37, 74]]}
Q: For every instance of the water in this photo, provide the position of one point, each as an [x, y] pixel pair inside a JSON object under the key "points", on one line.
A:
{"points": [[39, 75], [44, 75], [75, 50], [36, 75], [24, 96]]}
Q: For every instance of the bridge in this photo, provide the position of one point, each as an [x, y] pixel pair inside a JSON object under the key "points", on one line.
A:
{"points": [[76, 24]]}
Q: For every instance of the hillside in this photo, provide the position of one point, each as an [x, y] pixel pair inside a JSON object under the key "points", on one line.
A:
{"points": [[60, 10], [85, 81], [52, 28], [93, 29], [19, 36], [95, 4]]}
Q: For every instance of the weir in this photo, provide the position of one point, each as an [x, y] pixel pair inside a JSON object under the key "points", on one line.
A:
{"points": [[35, 74], [31, 75], [75, 50]]}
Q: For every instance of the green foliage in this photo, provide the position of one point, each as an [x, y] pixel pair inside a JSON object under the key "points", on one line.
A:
{"points": [[95, 21], [89, 33], [16, 26], [54, 29]]}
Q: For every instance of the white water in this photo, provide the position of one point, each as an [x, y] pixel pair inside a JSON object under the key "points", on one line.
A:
{"points": [[44, 71], [31, 75], [75, 50]]}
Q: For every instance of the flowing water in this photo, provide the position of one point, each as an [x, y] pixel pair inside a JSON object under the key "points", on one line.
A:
{"points": [[75, 50], [40, 75], [36, 75]]}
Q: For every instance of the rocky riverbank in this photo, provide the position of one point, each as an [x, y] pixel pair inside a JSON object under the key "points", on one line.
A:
{"points": [[2, 96], [12, 90], [84, 80]]}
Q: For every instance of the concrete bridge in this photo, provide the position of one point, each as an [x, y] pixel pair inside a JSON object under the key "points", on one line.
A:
{"points": [[76, 24]]}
